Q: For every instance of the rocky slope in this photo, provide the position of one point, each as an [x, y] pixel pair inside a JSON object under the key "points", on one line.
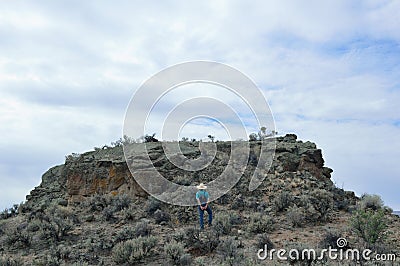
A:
{"points": [[105, 171], [91, 211]]}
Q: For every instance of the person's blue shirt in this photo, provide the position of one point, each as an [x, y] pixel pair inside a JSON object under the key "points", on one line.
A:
{"points": [[202, 195]]}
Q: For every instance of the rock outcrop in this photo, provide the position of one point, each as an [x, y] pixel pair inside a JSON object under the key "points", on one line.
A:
{"points": [[105, 171]]}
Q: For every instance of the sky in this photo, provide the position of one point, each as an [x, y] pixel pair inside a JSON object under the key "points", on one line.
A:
{"points": [[328, 69]]}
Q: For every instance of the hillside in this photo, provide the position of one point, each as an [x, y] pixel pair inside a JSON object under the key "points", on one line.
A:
{"points": [[91, 211]]}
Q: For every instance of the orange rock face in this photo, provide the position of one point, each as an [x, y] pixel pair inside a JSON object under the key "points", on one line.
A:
{"points": [[102, 177]]}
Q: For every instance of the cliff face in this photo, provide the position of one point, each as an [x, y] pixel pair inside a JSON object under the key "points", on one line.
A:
{"points": [[105, 172], [99, 172]]}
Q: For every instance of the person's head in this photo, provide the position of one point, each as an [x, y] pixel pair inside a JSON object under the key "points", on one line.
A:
{"points": [[201, 186]]}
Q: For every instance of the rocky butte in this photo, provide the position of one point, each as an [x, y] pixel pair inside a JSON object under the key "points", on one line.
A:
{"points": [[91, 211]]}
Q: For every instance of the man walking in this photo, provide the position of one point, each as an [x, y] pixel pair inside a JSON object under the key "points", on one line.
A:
{"points": [[203, 199]]}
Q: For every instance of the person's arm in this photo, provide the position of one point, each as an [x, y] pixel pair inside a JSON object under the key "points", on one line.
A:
{"points": [[201, 207], [208, 201], [198, 201]]}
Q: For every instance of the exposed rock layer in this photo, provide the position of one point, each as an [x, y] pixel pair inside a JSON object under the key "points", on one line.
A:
{"points": [[105, 171]]}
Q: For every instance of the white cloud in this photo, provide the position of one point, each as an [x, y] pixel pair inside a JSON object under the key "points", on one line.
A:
{"points": [[329, 69]]}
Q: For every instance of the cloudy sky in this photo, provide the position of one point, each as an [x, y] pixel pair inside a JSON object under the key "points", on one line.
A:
{"points": [[329, 69]]}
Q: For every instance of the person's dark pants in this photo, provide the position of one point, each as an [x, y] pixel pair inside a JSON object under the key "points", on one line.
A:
{"points": [[201, 214]]}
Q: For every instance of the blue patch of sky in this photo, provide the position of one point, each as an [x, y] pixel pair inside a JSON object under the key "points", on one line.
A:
{"points": [[378, 55], [344, 120], [203, 121], [269, 87], [281, 38], [247, 121], [302, 117]]}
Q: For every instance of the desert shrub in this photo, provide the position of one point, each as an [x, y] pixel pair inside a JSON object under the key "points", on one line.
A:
{"points": [[340, 199], [174, 251], [260, 223], [387, 209], [48, 232], [23, 208], [99, 242], [58, 254], [238, 203], [253, 137], [63, 252], [179, 236], [9, 212], [234, 218], [142, 229], [200, 261], [373, 202], [47, 260], [4, 214], [38, 215], [125, 234], [222, 223], [261, 206], [62, 213], [34, 225], [295, 215], [72, 157], [182, 180], [369, 225], [120, 202], [192, 236], [161, 216], [329, 239], [342, 204], [262, 240], [108, 214], [55, 224], [185, 260], [317, 206], [81, 263], [382, 248], [311, 214], [322, 202], [126, 140], [55, 230], [152, 205], [150, 138], [129, 214], [184, 215], [10, 261], [133, 251], [18, 238], [63, 226], [89, 218], [283, 201], [225, 199], [96, 203], [205, 244], [211, 240], [15, 209], [230, 251]]}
